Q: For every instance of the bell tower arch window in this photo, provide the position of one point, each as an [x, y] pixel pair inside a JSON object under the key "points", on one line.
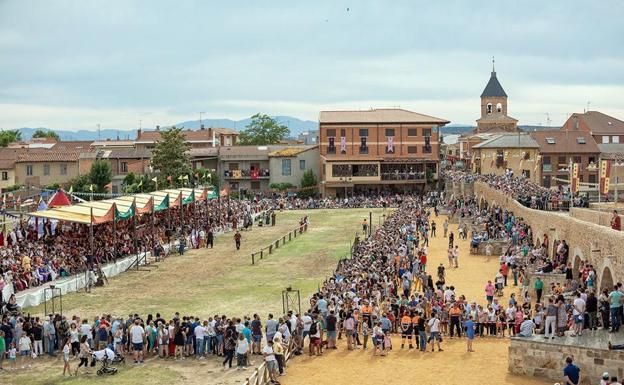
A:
{"points": [[488, 108]]}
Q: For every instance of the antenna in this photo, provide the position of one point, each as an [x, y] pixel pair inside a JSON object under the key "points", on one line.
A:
{"points": [[99, 138], [588, 104], [493, 69]]}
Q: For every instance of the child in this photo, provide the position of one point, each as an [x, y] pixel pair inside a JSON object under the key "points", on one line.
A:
{"points": [[25, 347], [365, 333], [13, 356], [66, 350], [387, 342]]}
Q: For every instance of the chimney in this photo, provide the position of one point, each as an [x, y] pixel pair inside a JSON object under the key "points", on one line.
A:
{"points": [[138, 133], [157, 128], [202, 127], [210, 134]]}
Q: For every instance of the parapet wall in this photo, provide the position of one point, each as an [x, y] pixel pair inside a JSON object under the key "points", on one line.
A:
{"points": [[546, 359], [600, 245], [602, 218]]}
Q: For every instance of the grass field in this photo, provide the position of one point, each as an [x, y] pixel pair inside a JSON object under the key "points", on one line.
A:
{"points": [[208, 282]]}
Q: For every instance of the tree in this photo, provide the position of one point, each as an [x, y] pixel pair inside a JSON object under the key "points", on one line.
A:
{"points": [[263, 130], [100, 175], [171, 155], [9, 136], [308, 180], [80, 183], [41, 133]]}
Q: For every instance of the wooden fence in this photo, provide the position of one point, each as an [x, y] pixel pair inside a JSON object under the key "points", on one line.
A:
{"points": [[280, 241], [260, 376]]}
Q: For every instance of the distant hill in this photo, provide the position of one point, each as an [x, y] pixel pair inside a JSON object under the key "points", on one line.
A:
{"points": [[296, 126]]}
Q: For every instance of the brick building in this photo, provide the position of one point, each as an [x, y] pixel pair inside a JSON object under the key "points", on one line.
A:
{"points": [[494, 116], [558, 148], [375, 150]]}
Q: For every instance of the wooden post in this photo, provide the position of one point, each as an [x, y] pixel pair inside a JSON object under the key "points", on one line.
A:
{"points": [[289, 236], [284, 240], [252, 259], [270, 249], [261, 253], [277, 244]]}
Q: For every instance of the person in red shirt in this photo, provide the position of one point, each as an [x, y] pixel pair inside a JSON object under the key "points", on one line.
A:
{"points": [[616, 223], [504, 271]]}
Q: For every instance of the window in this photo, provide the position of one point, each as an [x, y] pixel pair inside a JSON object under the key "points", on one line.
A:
{"points": [[499, 107], [488, 108], [233, 186], [412, 132], [343, 132], [500, 158], [576, 159], [363, 132], [615, 139], [232, 166], [5, 175], [46, 169], [389, 131], [561, 161], [285, 167], [331, 147], [527, 173], [63, 169], [29, 170], [550, 140], [580, 140], [412, 149], [331, 133], [302, 164], [427, 146], [546, 166], [576, 125], [363, 146], [592, 159], [124, 167], [592, 178], [426, 132], [605, 139], [255, 185]]}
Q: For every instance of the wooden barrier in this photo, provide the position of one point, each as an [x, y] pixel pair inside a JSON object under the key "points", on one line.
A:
{"points": [[276, 244], [260, 375]]}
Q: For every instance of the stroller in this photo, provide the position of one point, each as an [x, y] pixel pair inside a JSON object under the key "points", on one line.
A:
{"points": [[106, 357]]}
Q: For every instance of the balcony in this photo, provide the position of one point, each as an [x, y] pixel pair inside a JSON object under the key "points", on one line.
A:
{"points": [[246, 174], [405, 176], [546, 168]]}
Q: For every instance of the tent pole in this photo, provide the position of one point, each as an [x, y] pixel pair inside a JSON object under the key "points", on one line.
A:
{"points": [[92, 246], [152, 225], [134, 231], [114, 232]]}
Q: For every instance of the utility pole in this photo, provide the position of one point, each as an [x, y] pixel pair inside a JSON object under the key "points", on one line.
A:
{"points": [[200, 119], [99, 137]]}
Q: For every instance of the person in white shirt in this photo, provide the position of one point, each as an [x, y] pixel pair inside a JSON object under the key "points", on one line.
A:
{"points": [[578, 314], [200, 332], [434, 328], [271, 361], [242, 347], [85, 330], [137, 333]]}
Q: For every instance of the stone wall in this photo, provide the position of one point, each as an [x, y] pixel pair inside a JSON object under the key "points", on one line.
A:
{"points": [[547, 359], [602, 218], [600, 245], [548, 279], [498, 247]]}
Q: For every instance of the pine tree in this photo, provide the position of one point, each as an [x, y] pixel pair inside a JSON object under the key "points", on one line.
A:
{"points": [[171, 155]]}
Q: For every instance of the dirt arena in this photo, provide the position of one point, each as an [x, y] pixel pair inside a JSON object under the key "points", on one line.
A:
{"points": [[453, 366]]}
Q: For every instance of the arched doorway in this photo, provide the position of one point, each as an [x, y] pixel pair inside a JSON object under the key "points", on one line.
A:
{"points": [[606, 282], [577, 262]]}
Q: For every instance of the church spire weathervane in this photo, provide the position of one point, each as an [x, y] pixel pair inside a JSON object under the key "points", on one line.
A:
{"points": [[493, 69]]}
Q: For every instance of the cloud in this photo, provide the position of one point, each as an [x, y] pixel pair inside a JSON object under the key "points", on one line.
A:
{"points": [[76, 64]]}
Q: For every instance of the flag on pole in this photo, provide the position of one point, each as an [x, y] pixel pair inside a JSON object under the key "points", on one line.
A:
{"points": [[185, 177], [140, 183], [71, 189], [155, 179], [91, 187]]}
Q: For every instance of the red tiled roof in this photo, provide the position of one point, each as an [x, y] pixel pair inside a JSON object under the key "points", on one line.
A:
{"points": [[45, 155], [569, 142], [83, 145], [600, 123], [379, 115]]}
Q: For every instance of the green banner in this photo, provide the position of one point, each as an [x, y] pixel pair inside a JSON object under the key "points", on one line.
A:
{"points": [[163, 205], [128, 214], [189, 199]]}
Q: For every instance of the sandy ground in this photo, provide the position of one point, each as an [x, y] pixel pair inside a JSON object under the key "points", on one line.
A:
{"points": [[453, 366]]}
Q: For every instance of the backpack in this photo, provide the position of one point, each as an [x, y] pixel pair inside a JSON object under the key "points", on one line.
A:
{"points": [[313, 328]]}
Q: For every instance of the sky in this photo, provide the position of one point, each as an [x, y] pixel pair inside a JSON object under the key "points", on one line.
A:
{"points": [[120, 63]]}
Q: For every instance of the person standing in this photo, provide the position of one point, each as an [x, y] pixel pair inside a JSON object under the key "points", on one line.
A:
{"points": [[434, 328], [271, 361], [210, 238], [616, 223], [237, 239], [571, 373], [615, 304], [137, 334], [539, 287], [66, 352], [433, 229], [470, 333], [445, 226], [550, 326]]}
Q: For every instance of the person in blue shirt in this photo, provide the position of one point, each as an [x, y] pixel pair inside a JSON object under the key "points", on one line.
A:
{"points": [[470, 332], [571, 373]]}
